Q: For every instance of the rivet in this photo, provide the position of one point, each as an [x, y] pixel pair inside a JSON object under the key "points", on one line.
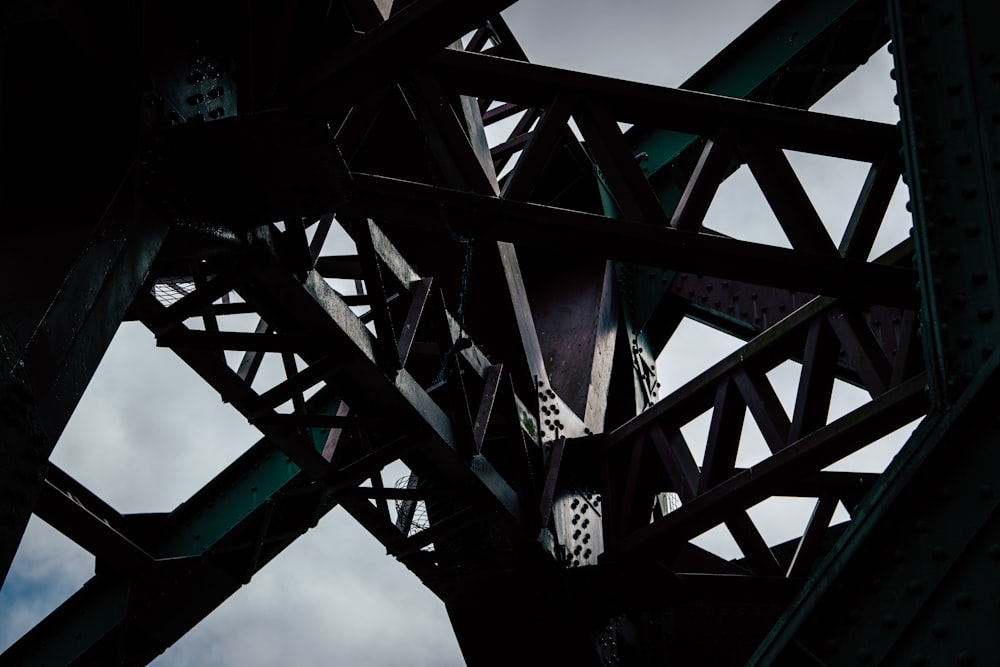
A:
{"points": [[995, 551], [963, 158], [972, 231], [965, 658], [968, 192], [864, 656], [963, 600], [918, 660], [939, 630], [979, 277], [985, 314], [986, 491], [915, 586], [890, 621], [954, 88], [919, 525]]}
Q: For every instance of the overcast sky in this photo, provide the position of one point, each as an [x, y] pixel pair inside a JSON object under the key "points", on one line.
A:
{"points": [[149, 433]]}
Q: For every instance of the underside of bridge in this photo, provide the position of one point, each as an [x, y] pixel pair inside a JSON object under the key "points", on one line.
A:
{"points": [[515, 247]]}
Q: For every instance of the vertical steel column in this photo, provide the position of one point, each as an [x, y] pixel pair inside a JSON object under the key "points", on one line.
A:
{"points": [[948, 75]]}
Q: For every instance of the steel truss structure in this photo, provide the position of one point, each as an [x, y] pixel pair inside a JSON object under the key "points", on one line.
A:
{"points": [[524, 243]]}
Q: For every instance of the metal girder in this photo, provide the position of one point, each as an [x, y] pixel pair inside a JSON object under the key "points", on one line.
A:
{"points": [[950, 153], [416, 204], [911, 580], [793, 55], [185, 563], [683, 111], [309, 308], [411, 33], [434, 374], [54, 335], [732, 387], [77, 513]]}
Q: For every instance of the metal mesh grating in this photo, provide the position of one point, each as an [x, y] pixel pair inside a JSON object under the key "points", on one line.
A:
{"points": [[170, 290], [418, 521]]}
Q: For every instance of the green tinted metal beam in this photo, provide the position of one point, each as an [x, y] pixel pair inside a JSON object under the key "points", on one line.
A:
{"points": [[762, 62], [946, 72], [92, 613], [793, 55], [203, 551]]}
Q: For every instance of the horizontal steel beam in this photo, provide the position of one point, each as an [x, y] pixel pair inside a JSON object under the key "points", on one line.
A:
{"points": [[564, 231], [684, 111]]}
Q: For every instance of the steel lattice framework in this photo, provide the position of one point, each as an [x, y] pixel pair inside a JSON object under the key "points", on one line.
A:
{"points": [[518, 263]]}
